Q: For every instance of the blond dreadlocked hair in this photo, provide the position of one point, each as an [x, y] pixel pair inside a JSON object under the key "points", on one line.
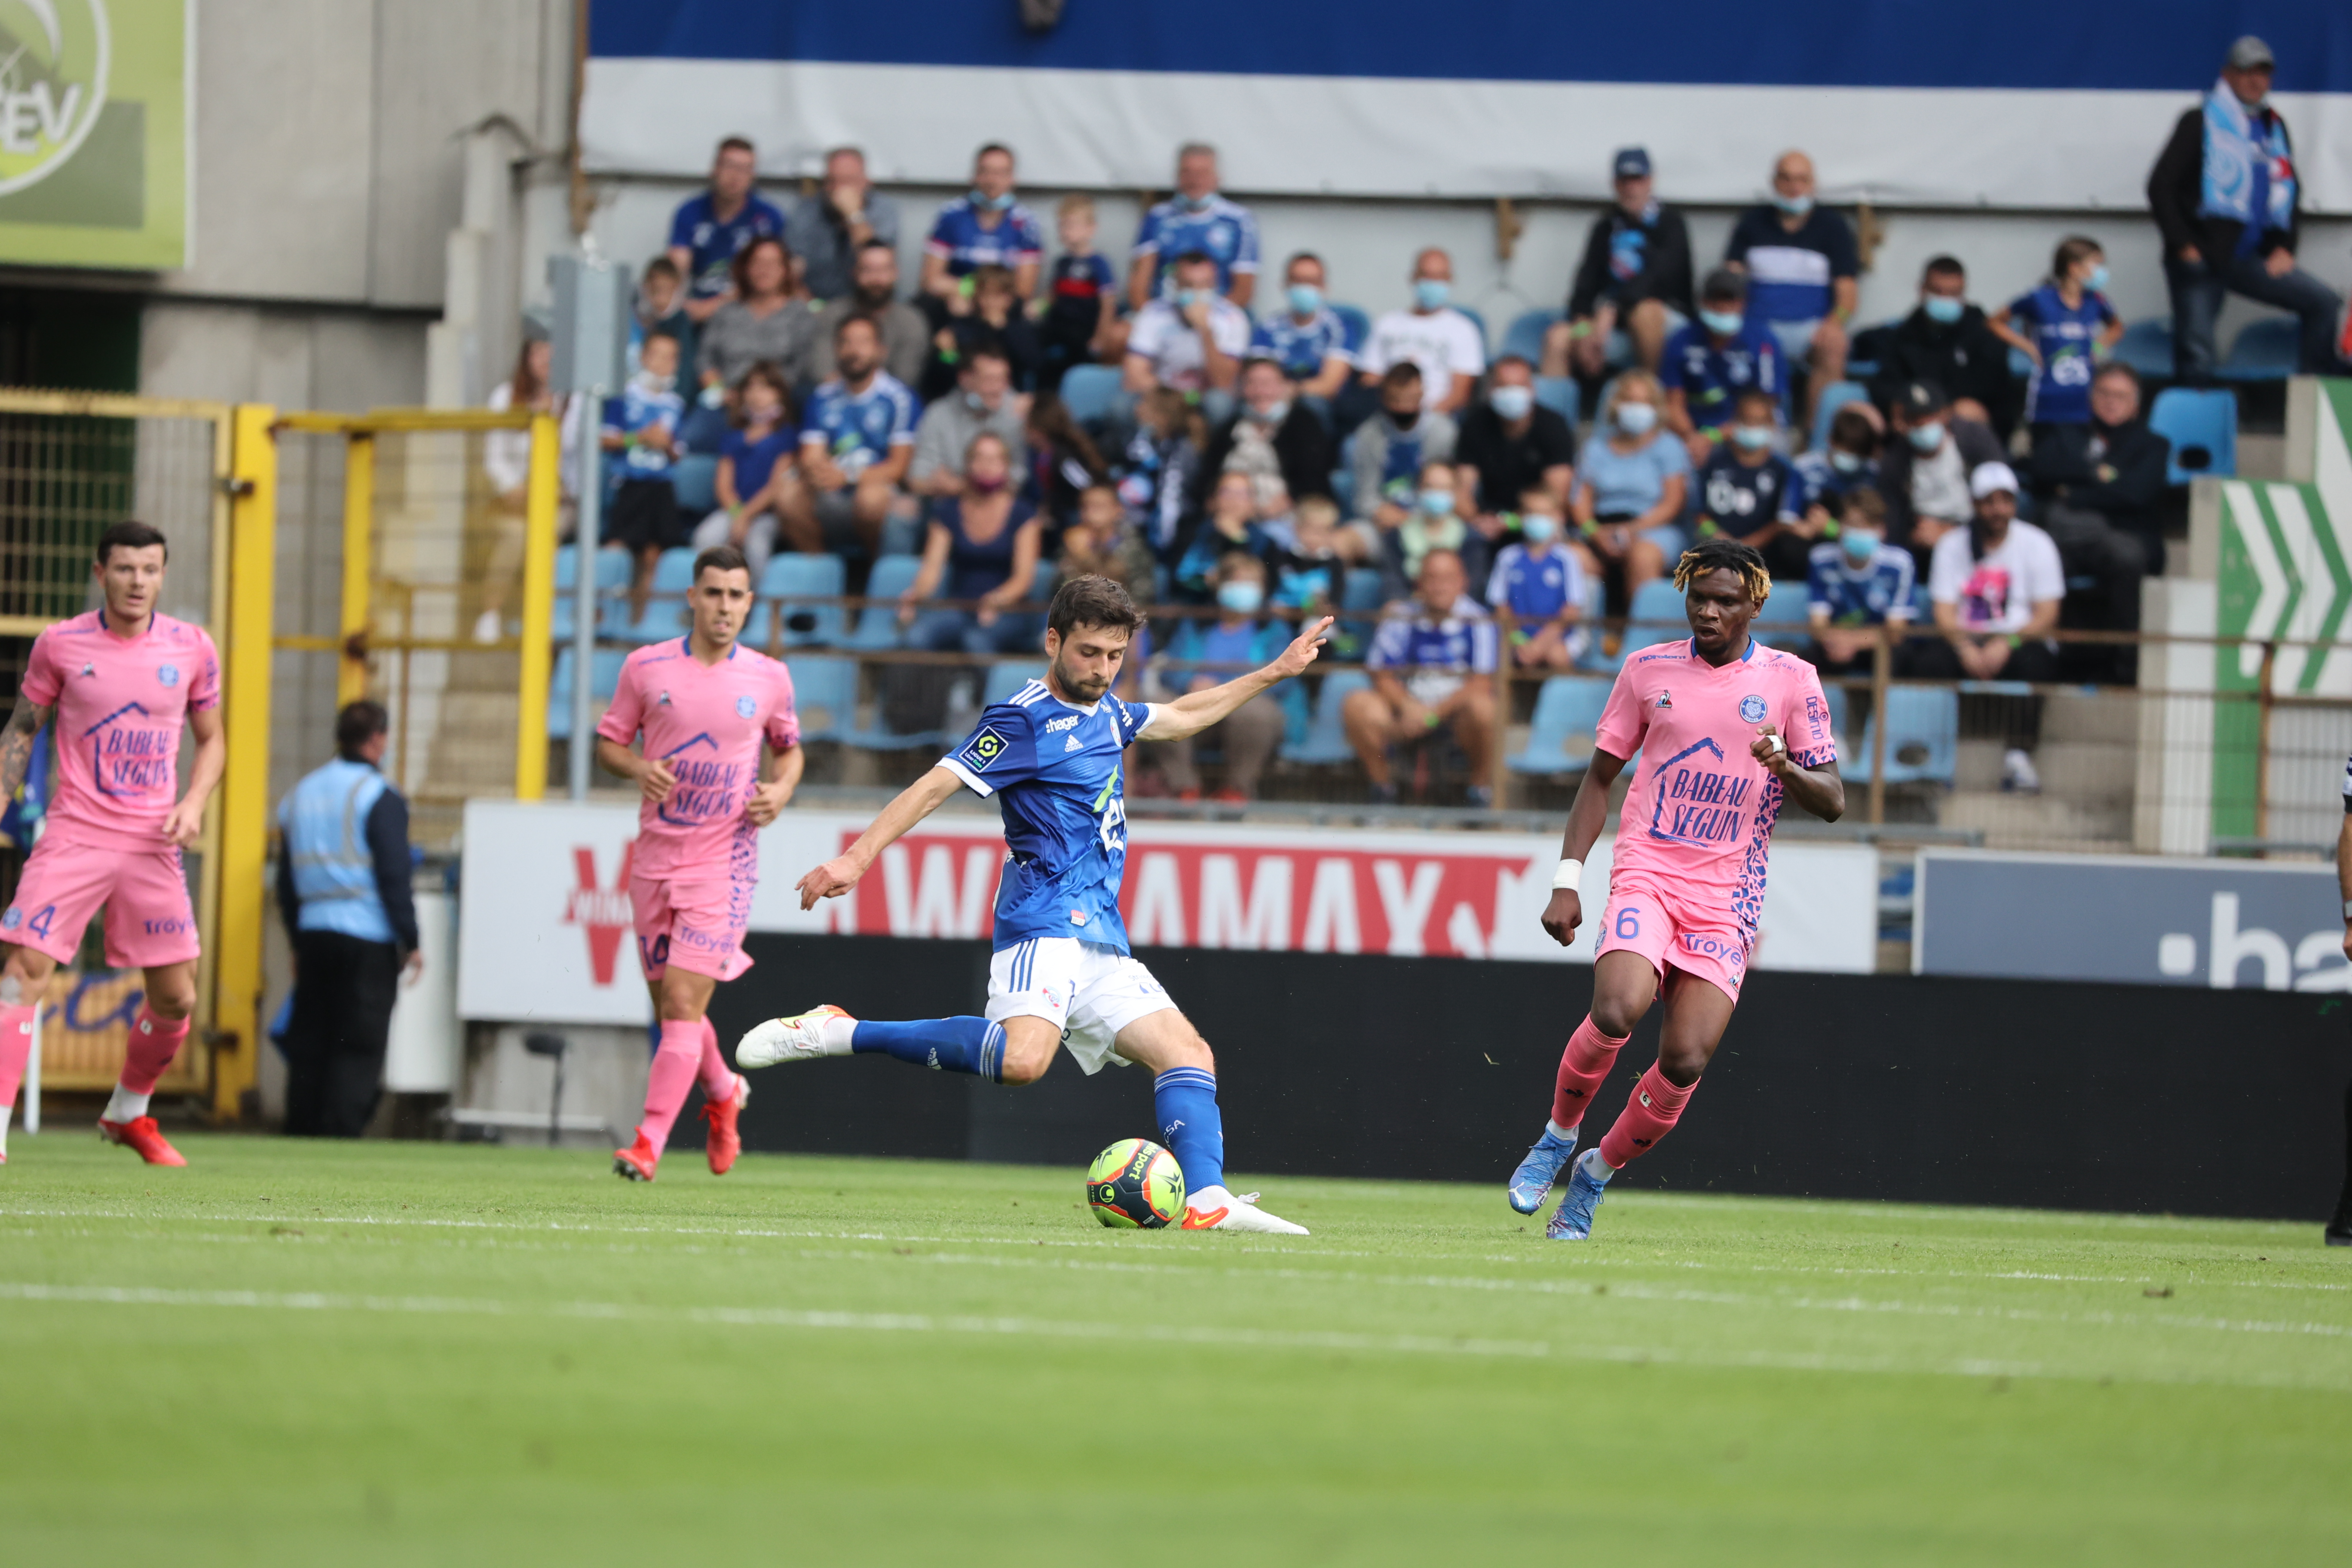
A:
{"points": [[1721, 553]]}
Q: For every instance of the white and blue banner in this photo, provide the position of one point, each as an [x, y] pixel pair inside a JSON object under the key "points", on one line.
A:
{"points": [[2002, 103]]}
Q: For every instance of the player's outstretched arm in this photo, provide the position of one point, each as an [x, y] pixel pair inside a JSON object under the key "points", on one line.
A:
{"points": [[1587, 815], [16, 744], [1197, 711], [898, 818], [186, 824], [1818, 790]]}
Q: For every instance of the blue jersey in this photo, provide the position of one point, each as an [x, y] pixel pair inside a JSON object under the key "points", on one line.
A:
{"points": [[1793, 277], [1821, 482], [2060, 393], [1740, 499], [640, 408], [1712, 375], [1865, 593], [1224, 231], [1535, 587], [958, 238], [1055, 770], [1301, 348], [858, 428], [714, 244]]}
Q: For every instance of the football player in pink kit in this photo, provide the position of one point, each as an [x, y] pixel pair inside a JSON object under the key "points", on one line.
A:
{"points": [[1728, 729], [703, 702], [115, 684]]}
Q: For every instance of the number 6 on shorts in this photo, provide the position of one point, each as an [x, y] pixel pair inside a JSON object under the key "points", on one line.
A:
{"points": [[1629, 925]]}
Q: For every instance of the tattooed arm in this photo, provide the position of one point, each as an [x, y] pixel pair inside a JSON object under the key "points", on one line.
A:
{"points": [[16, 744]]}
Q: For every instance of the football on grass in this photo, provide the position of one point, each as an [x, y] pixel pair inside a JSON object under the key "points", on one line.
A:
{"points": [[1136, 1186]]}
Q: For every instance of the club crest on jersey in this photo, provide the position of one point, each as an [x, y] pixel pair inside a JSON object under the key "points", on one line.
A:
{"points": [[169, 674], [984, 748], [1665, 699], [1751, 709], [12, 919], [745, 706]]}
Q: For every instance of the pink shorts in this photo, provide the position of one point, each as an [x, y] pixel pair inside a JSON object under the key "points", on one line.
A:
{"points": [[149, 922], [1672, 933], [697, 925]]}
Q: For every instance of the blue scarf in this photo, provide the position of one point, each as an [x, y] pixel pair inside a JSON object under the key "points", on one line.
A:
{"points": [[2249, 169]]}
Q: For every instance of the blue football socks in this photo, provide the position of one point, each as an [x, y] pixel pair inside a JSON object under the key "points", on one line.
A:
{"points": [[1186, 1101], [944, 1044]]}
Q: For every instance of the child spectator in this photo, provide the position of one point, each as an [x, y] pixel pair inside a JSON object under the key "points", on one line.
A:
{"points": [[1100, 543], [642, 425], [2062, 326], [1310, 575], [1540, 581], [1851, 463], [1856, 583], [659, 310], [1079, 312], [1230, 525], [1156, 475], [1434, 524], [755, 463], [1750, 491], [994, 323]]}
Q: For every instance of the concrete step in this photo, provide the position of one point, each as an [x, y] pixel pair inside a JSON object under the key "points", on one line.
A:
{"points": [[2095, 772], [2106, 715], [2044, 821]]}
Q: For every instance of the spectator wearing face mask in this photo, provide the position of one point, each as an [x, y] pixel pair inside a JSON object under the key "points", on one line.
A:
{"points": [[2063, 326], [985, 227], [1856, 583], [874, 294], [1306, 336], [1191, 341], [1390, 448], [1850, 462], [1632, 478], [1541, 583], [1509, 444], [1203, 654], [1434, 524], [1272, 436], [1198, 219], [1748, 490], [1446, 343], [1079, 318], [1310, 574], [1926, 466], [1950, 342], [1802, 265], [982, 404], [1710, 361], [1637, 274], [831, 227], [982, 545]]}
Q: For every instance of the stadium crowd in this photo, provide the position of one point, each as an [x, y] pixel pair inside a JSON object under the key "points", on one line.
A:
{"points": [[1026, 409]]}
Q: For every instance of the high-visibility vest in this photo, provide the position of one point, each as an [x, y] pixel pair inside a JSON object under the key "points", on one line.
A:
{"points": [[324, 820]]}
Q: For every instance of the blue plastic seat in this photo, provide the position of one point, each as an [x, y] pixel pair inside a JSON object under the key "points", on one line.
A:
{"points": [[1567, 707], [613, 568], [877, 624], [2147, 347], [1558, 393], [1658, 600], [1087, 391], [695, 479], [1922, 736], [1358, 324], [824, 696], [665, 614], [1326, 738], [1360, 598], [1784, 620], [1006, 677], [796, 576], [1834, 396], [2202, 426], [604, 679], [2270, 349], [1524, 335], [1838, 713], [1479, 321]]}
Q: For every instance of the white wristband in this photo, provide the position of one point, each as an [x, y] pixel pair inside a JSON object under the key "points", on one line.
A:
{"points": [[1569, 873]]}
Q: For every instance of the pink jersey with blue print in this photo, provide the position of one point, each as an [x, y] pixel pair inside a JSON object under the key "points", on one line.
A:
{"points": [[121, 703], [1697, 822], [708, 720]]}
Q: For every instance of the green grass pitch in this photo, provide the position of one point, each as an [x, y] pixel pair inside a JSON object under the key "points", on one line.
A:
{"points": [[382, 1352]]}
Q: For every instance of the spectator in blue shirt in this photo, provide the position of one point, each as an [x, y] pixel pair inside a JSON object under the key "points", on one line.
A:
{"points": [[1080, 311], [1802, 265], [755, 464], [857, 438], [1197, 218], [641, 425], [1430, 661], [1632, 481], [1540, 581], [832, 227], [2062, 326], [1856, 583], [985, 227], [709, 228], [1850, 463], [1749, 490], [1203, 654], [1710, 361], [1306, 336]]}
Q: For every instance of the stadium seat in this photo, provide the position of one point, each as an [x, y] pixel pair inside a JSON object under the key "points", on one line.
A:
{"points": [[1785, 620], [2020, 368], [603, 680], [1524, 335], [1009, 677], [1088, 390], [1922, 736], [1558, 393], [1479, 321], [695, 477], [2265, 349], [1659, 600], [1567, 707], [2202, 426], [1838, 714], [1327, 738], [612, 576], [1358, 324], [877, 625], [1361, 600], [824, 696], [793, 576], [1834, 396], [2147, 347], [665, 614]]}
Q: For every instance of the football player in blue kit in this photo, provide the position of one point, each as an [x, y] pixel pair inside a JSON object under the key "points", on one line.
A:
{"points": [[1062, 974]]}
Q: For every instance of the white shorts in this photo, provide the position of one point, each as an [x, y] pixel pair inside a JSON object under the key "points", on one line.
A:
{"points": [[1086, 990]]}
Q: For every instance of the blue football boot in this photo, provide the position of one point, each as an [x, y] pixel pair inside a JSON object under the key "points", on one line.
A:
{"points": [[1540, 1169], [1573, 1222]]}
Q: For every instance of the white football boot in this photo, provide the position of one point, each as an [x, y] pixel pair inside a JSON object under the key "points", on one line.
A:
{"points": [[799, 1038], [1213, 1208]]}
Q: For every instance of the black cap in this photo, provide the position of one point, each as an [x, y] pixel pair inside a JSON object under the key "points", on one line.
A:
{"points": [[1922, 400], [1633, 164], [1723, 283]]}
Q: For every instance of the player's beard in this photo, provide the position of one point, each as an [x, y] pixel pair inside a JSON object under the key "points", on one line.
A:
{"points": [[1070, 682]]}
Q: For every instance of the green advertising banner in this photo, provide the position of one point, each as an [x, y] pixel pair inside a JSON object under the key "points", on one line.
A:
{"points": [[94, 133]]}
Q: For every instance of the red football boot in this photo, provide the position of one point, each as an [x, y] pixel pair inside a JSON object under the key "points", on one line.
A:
{"points": [[139, 1133], [637, 1161], [724, 1143]]}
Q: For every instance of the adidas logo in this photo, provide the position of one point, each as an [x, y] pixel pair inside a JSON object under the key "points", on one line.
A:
{"points": [[1072, 744]]}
